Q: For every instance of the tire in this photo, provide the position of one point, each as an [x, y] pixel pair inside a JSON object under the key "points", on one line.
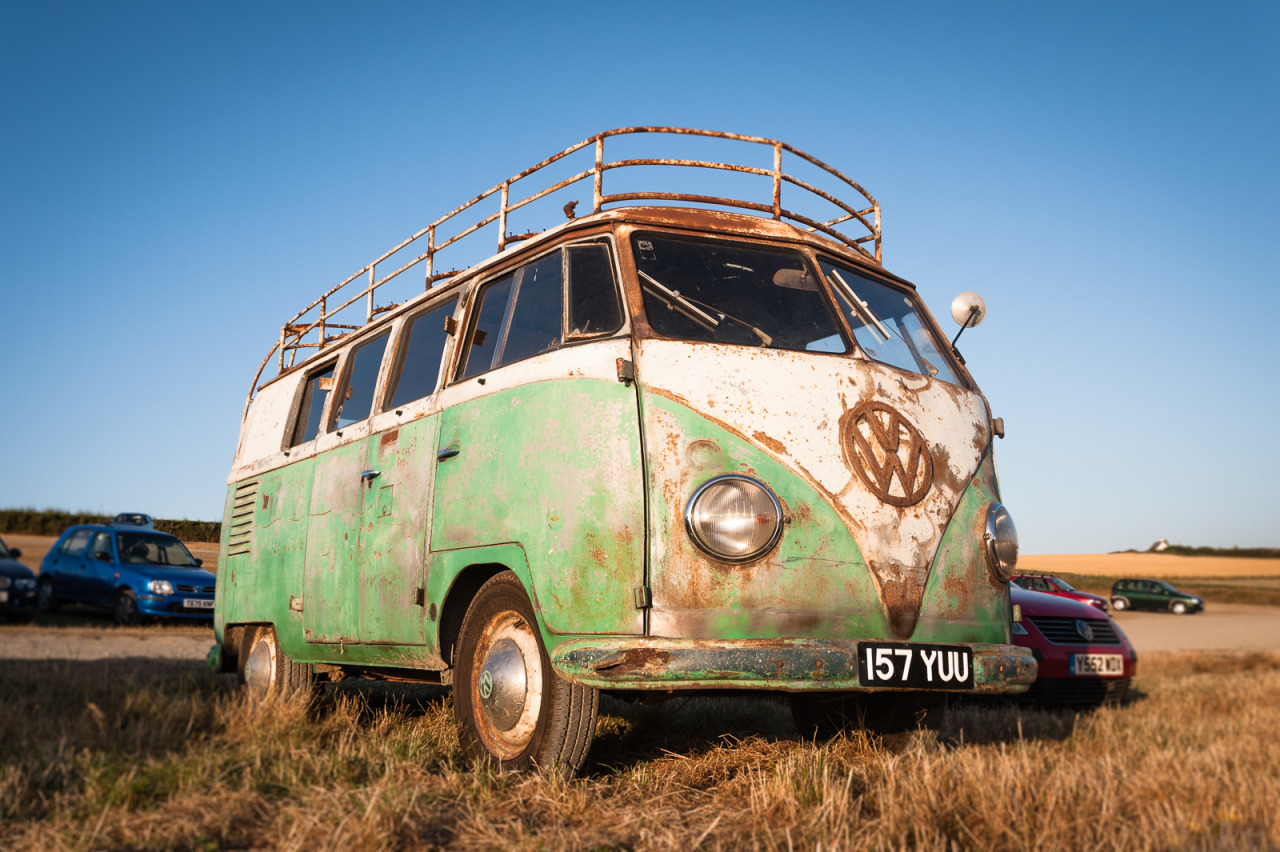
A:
{"points": [[125, 608], [823, 716], [266, 673], [46, 600], [511, 706], [1119, 604], [1178, 607]]}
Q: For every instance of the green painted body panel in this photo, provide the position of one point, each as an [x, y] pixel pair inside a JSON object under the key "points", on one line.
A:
{"points": [[556, 467], [330, 611]]}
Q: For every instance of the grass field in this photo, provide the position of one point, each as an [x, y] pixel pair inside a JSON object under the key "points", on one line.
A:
{"points": [[133, 754]]}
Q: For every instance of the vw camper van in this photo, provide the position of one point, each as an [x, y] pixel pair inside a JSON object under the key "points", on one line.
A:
{"points": [[679, 442]]}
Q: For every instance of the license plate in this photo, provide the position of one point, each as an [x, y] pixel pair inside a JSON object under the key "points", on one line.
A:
{"points": [[913, 665], [197, 603], [1106, 665]]}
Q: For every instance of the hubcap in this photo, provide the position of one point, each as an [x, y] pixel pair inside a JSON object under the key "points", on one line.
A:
{"points": [[259, 668], [503, 684], [506, 685]]}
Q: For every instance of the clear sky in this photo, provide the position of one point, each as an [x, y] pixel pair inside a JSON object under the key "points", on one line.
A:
{"points": [[180, 178]]}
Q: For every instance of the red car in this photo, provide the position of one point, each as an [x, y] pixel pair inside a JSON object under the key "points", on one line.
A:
{"points": [[1051, 585], [1084, 657]]}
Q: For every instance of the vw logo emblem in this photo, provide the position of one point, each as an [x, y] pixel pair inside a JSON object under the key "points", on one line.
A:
{"points": [[888, 453], [1085, 631], [486, 683]]}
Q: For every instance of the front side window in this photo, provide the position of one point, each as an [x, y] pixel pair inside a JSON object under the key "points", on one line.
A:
{"points": [[417, 369], [317, 389], [153, 549], [736, 293], [887, 324], [101, 544], [355, 401], [519, 316]]}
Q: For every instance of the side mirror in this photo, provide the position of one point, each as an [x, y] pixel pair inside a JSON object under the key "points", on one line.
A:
{"points": [[199, 562], [15, 552], [968, 309]]}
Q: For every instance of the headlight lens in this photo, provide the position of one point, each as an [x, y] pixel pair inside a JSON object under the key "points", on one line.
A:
{"points": [[160, 587], [1001, 538], [1019, 630], [733, 518], [24, 583]]}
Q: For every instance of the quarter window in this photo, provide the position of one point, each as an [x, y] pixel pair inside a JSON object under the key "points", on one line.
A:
{"points": [[316, 391], [417, 369], [593, 298], [356, 399], [76, 542], [101, 544], [519, 316]]}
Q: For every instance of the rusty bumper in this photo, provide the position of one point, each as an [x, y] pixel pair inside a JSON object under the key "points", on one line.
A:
{"points": [[788, 665]]}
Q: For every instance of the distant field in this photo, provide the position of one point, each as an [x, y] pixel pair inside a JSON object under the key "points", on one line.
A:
{"points": [[1158, 565]]}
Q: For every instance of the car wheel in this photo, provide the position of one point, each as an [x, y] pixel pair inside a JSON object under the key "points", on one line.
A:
{"points": [[511, 706], [823, 716], [46, 600], [265, 670], [125, 608], [1179, 607], [1119, 604]]}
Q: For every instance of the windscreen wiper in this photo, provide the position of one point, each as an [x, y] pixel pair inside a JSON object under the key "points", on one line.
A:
{"points": [[679, 303], [860, 307]]}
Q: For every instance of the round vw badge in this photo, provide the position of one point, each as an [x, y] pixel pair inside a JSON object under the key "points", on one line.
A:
{"points": [[486, 683], [1085, 631], [888, 453]]}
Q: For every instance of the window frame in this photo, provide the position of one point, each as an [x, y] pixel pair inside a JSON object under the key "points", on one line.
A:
{"points": [[342, 377], [394, 369], [301, 394]]}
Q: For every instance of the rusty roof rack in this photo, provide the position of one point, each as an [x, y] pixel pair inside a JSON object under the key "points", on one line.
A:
{"points": [[865, 216]]}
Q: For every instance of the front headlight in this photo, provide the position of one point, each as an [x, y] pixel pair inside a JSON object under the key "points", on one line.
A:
{"points": [[733, 518], [160, 587], [24, 583], [1001, 539]]}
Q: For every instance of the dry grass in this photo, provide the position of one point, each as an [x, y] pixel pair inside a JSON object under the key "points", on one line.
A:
{"points": [[144, 755]]}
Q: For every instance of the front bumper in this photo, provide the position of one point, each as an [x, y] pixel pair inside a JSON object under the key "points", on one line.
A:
{"points": [[786, 665]]}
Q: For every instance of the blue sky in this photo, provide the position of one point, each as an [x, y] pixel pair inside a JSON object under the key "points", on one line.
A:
{"points": [[180, 178]]}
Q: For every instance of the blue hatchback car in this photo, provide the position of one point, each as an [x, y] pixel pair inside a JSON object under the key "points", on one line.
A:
{"points": [[134, 570]]}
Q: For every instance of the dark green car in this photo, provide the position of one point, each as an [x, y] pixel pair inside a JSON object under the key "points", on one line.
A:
{"points": [[1153, 594]]}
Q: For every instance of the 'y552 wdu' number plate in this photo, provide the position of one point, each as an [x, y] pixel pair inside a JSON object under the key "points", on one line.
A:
{"points": [[913, 665]]}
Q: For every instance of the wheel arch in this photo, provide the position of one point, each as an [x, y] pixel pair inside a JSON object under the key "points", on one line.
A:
{"points": [[466, 585]]}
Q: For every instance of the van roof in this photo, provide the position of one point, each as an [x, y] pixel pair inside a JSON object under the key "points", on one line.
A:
{"points": [[814, 211]]}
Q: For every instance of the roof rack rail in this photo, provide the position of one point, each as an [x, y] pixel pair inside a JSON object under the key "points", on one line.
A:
{"points": [[318, 317]]}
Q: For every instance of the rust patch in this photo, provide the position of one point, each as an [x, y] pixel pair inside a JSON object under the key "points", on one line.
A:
{"points": [[771, 443], [389, 438], [646, 660]]}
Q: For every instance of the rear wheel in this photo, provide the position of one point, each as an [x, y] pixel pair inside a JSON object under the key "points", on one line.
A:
{"points": [[125, 608], [266, 671], [511, 706], [1119, 604], [824, 716], [46, 600]]}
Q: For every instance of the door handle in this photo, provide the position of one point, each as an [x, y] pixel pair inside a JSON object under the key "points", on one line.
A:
{"points": [[369, 475], [447, 453]]}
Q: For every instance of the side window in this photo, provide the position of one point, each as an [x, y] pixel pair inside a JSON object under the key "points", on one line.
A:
{"points": [[76, 543], [593, 296], [101, 544], [355, 401], [317, 389], [518, 316], [417, 367]]}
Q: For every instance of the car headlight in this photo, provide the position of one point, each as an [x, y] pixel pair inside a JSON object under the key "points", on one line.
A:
{"points": [[733, 518], [160, 587], [24, 583], [1019, 630], [1001, 538]]}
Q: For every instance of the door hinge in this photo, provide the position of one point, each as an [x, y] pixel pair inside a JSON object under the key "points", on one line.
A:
{"points": [[643, 597], [420, 597], [626, 371]]}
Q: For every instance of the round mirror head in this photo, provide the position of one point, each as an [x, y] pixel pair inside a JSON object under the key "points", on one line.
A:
{"points": [[968, 303]]}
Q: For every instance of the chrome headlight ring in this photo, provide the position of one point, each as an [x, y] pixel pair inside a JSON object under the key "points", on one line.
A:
{"points": [[1000, 540], [733, 518]]}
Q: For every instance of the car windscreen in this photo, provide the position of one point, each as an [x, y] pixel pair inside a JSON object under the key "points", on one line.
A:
{"points": [[887, 323], [153, 549], [735, 293]]}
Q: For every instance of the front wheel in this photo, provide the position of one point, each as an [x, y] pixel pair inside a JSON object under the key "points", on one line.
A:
{"points": [[822, 716], [1119, 604], [1179, 608], [125, 608], [265, 670], [511, 706]]}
